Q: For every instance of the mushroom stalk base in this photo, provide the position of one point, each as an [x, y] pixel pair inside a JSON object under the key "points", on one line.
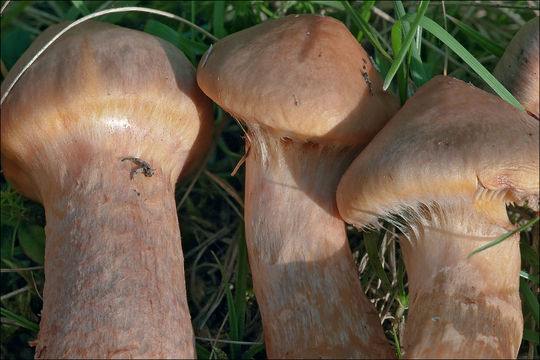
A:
{"points": [[304, 276], [462, 307], [114, 272]]}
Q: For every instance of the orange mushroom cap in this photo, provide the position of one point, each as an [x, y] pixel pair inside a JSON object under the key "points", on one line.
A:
{"points": [[450, 140], [300, 76]]}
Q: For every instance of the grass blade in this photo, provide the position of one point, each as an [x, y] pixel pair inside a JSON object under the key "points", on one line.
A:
{"points": [[370, 241], [400, 12], [530, 299], [403, 296], [504, 237], [219, 19], [253, 351], [398, 349], [531, 335], [241, 283], [233, 318], [528, 255], [480, 39], [528, 276], [415, 66], [161, 30], [406, 44], [466, 56], [202, 353], [81, 7], [366, 29], [32, 241], [23, 322], [365, 13], [331, 4], [94, 15], [402, 72]]}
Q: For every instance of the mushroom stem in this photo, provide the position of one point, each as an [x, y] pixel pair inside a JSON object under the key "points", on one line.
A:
{"points": [[304, 276], [460, 303], [98, 130], [114, 266]]}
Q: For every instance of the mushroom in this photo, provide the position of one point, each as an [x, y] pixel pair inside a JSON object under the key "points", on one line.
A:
{"points": [[442, 170], [311, 99], [518, 68], [101, 103]]}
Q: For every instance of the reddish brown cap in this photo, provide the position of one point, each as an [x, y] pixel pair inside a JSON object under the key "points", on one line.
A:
{"points": [[449, 141], [101, 88], [302, 76]]}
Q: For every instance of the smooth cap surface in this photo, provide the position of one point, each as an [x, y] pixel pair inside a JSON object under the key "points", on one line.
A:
{"points": [[302, 76], [449, 141]]}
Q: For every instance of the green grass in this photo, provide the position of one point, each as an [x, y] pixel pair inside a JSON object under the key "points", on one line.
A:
{"points": [[223, 308]]}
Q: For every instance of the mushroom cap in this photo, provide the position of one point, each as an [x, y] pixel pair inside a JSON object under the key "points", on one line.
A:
{"points": [[300, 76], [101, 88], [518, 68], [449, 141]]}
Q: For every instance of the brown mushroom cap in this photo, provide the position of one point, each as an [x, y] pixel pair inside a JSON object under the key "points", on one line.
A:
{"points": [[450, 140], [266, 74], [95, 98], [518, 68]]}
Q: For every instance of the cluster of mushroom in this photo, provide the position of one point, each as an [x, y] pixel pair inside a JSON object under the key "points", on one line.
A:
{"points": [[442, 170], [121, 116]]}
